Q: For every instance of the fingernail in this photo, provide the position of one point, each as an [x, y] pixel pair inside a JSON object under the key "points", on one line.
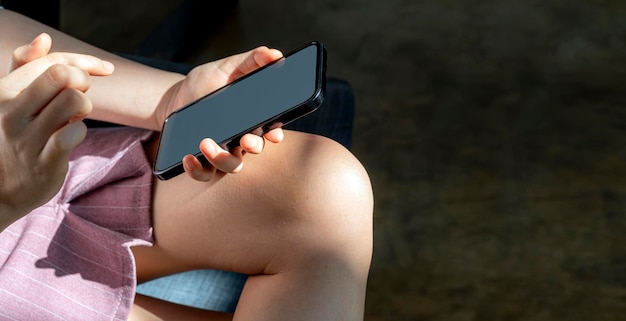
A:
{"points": [[188, 166], [208, 147], [32, 43], [211, 148], [108, 65], [254, 143]]}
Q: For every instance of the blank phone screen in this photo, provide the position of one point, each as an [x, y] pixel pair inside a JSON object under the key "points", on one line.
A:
{"points": [[241, 106]]}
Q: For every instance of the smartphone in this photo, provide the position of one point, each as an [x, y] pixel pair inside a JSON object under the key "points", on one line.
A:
{"points": [[271, 96]]}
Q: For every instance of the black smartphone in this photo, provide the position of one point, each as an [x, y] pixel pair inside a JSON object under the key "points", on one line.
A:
{"points": [[271, 96]]}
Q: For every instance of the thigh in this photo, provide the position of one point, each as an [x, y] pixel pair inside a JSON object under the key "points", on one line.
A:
{"points": [[236, 222]]}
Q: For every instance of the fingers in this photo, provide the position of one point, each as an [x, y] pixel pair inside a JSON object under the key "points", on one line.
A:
{"points": [[20, 78], [67, 107], [43, 89], [275, 135], [52, 101], [214, 75], [252, 143], [228, 162], [247, 62], [39, 47], [92, 65], [195, 170], [61, 143], [219, 160], [224, 161], [260, 57], [228, 69]]}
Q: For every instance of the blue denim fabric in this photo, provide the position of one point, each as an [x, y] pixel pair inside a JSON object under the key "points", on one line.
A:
{"points": [[205, 289], [220, 290]]}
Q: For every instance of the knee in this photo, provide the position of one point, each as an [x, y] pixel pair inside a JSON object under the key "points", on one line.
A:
{"points": [[331, 202], [330, 179]]}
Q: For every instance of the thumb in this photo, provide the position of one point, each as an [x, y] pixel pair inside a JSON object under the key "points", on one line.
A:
{"points": [[39, 47]]}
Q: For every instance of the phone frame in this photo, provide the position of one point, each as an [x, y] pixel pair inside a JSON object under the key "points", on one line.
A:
{"points": [[306, 107]]}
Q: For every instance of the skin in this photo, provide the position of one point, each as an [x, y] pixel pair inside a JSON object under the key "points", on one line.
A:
{"points": [[41, 107], [297, 219]]}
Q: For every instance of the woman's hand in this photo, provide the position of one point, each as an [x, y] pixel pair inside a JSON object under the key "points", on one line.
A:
{"points": [[42, 100], [205, 79]]}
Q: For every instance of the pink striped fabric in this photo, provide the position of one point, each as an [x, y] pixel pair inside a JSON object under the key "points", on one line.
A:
{"points": [[70, 259]]}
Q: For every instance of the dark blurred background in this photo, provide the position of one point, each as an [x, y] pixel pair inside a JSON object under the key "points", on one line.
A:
{"points": [[494, 133]]}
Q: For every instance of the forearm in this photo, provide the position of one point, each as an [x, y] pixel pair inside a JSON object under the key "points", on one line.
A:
{"points": [[128, 97]]}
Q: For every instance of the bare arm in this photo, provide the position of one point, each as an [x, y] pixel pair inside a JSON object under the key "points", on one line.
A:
{"points": [[129, 96], [140, 96]]}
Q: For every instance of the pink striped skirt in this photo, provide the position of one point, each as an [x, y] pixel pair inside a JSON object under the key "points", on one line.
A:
{"points": [[70, 259]]}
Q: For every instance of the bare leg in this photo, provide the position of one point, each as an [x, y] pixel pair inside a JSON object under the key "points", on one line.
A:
{"points": [[298, 219], [150, 309]]}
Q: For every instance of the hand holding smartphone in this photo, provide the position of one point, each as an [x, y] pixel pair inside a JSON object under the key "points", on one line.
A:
{"points": [[271, 96]]}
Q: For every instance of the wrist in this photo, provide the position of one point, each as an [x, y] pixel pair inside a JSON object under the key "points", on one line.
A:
{"points": [[140, 91], [166, 105]]}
